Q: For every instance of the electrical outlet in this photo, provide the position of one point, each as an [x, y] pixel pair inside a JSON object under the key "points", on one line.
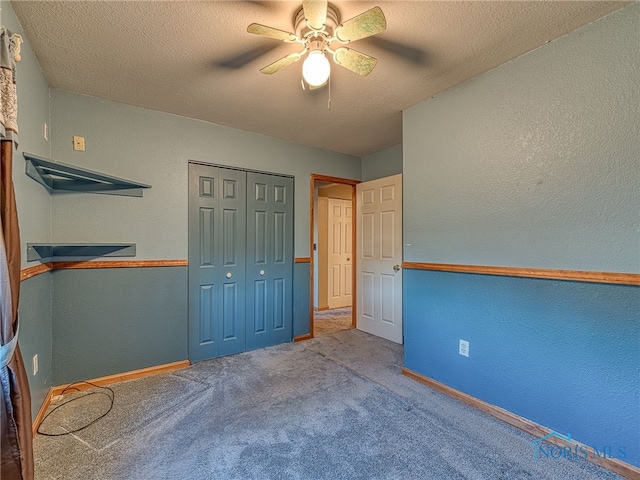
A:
{"points": [[464, 348], [78, 143], [35, 364]]}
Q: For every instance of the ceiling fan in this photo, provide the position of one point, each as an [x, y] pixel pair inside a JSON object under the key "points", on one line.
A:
{"points": [[318, 30]]}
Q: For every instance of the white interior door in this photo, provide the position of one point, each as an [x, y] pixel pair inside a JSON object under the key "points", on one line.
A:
{"points": [[379, 253], [340, 220]]}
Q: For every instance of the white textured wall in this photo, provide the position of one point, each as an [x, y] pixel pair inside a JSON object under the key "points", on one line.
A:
{"points": [[154, 148], [535, 163]]}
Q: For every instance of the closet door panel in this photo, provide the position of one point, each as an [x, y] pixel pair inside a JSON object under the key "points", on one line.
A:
{"points": [[204, 282], [272, 202], [217, 229], [233, 209]]}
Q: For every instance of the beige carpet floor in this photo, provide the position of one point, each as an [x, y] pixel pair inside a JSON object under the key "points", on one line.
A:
{"points": [[328, 322], [335, 407]]}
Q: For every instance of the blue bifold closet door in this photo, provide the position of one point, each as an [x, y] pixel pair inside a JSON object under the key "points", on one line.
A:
{"points": [[269, 260], [240, 261]]}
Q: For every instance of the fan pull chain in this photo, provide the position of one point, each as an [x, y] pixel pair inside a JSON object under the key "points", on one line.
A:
{"points": [[329, 102]]}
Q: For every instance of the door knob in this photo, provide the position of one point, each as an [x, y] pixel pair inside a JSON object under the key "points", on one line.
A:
{"points": [[262, 273], [396, 268], [229, 274]]}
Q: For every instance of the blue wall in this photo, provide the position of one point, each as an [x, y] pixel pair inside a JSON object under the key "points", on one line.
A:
{"points": [[114, 320], [301, 324], [533, 164], [563, 354], [36, 336]]}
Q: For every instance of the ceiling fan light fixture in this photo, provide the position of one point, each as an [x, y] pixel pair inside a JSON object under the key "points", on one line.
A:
{"points": [[316, 68], [317, 25]]}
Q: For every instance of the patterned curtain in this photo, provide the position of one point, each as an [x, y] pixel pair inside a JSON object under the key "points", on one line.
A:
{"points": [[9, 54], [15, 399]]}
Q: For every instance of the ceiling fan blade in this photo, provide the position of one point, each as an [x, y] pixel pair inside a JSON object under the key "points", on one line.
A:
{"points": [[355, 61], [271, 32], [280, 64], [364, 25], [315, 11]]}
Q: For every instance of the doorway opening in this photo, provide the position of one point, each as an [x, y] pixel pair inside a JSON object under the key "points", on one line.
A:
{"points": [[333, 247]]}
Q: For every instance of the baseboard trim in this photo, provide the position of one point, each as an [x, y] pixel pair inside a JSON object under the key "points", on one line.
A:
{"points": [[121, 377], [621, 468], [301, 338], [42, 412]]}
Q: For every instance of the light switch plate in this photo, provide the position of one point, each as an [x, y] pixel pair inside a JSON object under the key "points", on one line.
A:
{"points": [[78, 143]]}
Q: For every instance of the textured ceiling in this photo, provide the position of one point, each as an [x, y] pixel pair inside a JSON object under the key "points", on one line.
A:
{"points": [[195, 58]]}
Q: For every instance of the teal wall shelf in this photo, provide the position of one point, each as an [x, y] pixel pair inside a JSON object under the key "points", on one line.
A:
{"points": [[49, 252], [60, 176]]}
